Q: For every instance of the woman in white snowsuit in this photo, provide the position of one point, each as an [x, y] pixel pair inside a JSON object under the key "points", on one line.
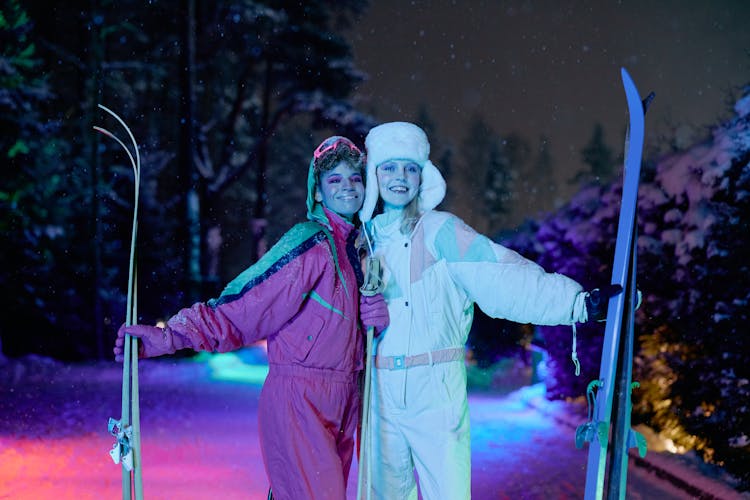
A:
{"points": [[435, 269]]}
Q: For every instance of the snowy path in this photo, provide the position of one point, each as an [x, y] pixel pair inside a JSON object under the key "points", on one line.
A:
{"points": [[199, 436]]}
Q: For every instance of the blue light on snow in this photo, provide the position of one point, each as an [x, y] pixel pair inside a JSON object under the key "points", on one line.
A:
{"points": [[248, 366]]}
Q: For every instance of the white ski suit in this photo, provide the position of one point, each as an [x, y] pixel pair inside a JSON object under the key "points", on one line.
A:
{"points": [[433, 277]]}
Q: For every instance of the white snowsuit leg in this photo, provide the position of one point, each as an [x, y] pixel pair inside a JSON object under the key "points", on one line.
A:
{"points": [[424, 428], [392, 465]]}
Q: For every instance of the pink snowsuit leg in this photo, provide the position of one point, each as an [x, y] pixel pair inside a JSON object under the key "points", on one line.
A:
{"points": [[307, 421]]}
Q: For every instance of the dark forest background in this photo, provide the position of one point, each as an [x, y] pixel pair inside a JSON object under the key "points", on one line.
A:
{"points": [[228, 99]]}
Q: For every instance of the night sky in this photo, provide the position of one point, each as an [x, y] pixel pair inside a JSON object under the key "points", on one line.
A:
{"points": [[538, 67]]}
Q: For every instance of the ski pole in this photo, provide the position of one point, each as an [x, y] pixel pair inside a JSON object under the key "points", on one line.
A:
{"points": [[127, 448], [372, 285], [364, 472]]}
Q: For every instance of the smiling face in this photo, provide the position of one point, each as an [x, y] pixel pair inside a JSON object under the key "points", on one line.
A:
{"points": [[398, 182], [341, 189]]}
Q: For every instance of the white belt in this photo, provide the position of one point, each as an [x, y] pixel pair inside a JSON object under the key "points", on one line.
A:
{"points": [[428, 358]]}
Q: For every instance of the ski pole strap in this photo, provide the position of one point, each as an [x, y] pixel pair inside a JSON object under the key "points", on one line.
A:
{"points": [[574, 352], [373, 283], [591, 398], [122, 450], [592, 430]]}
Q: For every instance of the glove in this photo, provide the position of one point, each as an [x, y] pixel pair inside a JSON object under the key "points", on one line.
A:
{"points": [[597, 300], [154, 341], [373, 312]]}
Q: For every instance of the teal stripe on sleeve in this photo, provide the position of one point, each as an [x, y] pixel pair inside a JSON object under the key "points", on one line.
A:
{"points": [[447, 244], [294, 243]]}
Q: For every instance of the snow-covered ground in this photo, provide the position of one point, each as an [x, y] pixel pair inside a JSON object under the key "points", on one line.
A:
{"points": [[199, 435]]}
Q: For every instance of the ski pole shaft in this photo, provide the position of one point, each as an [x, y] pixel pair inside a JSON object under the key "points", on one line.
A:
{"points": [[136, 417], [125, 413], [364, 471], [373, 284], [135, 407]]}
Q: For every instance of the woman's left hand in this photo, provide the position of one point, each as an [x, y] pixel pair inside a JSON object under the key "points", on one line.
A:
{"points": [[373, 311]]}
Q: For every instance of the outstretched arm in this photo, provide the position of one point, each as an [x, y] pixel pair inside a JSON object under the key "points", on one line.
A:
{"points": [[505, 284], [254, 305]]}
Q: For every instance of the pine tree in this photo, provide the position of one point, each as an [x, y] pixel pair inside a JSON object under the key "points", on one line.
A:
{"points": [[599, 158], [33, 200], [491, 164], [544, 186], [264, 65], [262, 70]]}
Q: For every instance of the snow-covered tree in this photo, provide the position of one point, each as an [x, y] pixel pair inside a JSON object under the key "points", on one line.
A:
{"points": [[33, 202], [695, 232], [262, 65]]}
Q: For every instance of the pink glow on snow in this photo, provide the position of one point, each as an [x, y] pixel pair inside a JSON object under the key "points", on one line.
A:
{"points": [[80, 468]]}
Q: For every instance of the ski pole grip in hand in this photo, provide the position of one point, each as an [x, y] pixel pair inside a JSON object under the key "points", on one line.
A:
{"points": [[598, 299], [154, 341], [373, 311]]}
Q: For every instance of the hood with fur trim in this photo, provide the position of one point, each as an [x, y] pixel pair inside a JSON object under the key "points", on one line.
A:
{"points": [[401, 141]]}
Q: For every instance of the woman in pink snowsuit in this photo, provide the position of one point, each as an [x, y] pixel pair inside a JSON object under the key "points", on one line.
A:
{"points": [[303, 298]]}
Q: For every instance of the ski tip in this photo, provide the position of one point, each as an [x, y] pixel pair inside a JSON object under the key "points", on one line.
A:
{"points": [[626, 76]]}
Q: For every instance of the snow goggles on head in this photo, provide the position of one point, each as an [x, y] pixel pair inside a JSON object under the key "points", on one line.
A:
{"points": [[332, 143]]}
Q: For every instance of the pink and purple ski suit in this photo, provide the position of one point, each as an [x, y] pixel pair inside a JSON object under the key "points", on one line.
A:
{"points": [[302, 297]]}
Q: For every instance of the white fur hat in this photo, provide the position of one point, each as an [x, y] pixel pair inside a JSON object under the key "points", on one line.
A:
{"points": [[401, 141]]}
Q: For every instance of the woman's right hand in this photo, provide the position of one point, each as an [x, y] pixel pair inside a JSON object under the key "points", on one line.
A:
{"points": [[373, 311]]}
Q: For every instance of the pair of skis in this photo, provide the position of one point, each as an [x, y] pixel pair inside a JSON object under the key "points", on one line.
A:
{"points": [[609, 430], [127, 449]]}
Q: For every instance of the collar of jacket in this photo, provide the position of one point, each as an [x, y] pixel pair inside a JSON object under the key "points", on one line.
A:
{"points": [[384, 229], [335, 227], [331, 220]]}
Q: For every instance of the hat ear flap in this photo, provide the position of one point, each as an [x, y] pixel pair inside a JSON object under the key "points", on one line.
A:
{"points": [[432, 189]]}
